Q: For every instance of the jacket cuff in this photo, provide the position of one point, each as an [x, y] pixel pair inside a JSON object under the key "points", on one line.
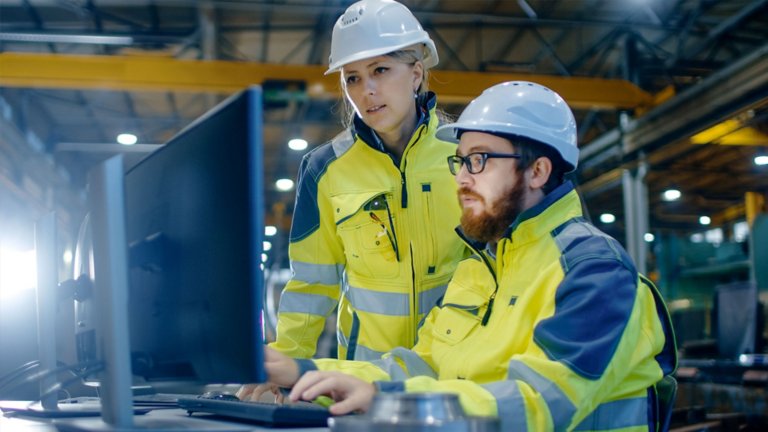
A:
{"points": [[305, 365], [390, 386]]}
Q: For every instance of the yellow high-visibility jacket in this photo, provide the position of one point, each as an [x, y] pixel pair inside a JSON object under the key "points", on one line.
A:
{"points": [[558, 331], [373, 237]]}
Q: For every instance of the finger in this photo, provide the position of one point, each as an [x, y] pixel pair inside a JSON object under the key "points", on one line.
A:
{"points": [[245, 391], [329, 384], [347, 406], [306, 381]]}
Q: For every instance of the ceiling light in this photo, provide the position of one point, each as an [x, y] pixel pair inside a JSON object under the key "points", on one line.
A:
{"points": [[607, 218], [127, 139], [284, 184], [761, 160], [67, 257], [264, 258], [297, 144], [267, 246], [705, 220], [671, 195], [66, 38], [270, 230], [648, 237]]}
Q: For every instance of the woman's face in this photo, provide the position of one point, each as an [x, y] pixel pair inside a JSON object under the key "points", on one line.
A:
{"points": [[382, 90]]}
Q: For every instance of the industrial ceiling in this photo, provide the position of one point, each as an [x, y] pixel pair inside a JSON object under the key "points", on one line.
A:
{"points": [[673, 91]]}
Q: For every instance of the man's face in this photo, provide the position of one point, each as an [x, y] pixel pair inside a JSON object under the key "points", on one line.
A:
{"points": [[492, 199]]}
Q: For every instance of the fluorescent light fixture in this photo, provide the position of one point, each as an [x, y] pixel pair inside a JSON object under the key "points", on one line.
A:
{"points": [[270, 230], [648, 237], [671, 195], [761, 160], [705, 220], [127, 139], [607, 218], [65, 38], [284, 184], [297, 144]]}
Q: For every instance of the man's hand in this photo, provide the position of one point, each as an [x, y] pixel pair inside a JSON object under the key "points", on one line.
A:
{"points": [[350, 393], [282, 371]]}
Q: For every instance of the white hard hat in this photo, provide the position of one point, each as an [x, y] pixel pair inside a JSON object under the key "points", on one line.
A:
{"points": [[371, 28], [524, 109]]}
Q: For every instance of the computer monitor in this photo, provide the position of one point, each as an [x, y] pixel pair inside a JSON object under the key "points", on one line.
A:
{"points": [[177, 243], [195, 227]]}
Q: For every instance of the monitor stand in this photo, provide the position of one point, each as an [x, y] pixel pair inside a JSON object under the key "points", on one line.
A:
{"points": [[110, 261]]}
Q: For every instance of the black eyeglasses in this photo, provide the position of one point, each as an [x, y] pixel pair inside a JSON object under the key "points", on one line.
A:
{"points": [[475, 162]]}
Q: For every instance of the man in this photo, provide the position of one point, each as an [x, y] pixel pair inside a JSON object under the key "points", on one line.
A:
{"points": [[548, 325]]}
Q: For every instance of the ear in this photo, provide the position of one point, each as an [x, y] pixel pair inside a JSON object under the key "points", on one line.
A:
{"points": [[539, 172], [418, 75]]}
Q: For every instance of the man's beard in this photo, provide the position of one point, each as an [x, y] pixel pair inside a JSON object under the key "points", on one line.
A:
{"points": [[492, 222]]}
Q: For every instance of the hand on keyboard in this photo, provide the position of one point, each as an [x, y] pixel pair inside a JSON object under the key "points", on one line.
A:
{"points": [[261, 392]]}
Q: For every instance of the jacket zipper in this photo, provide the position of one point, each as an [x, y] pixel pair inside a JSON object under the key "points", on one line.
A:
{"points": [[492, 298]]}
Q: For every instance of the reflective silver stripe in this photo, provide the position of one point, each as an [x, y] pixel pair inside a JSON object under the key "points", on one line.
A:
{"points": [[341, 337], [366, 354], [383, 303], [428, 299], [306, 303], [324, 274], [509, 404], [413, 363], [560, 407], [342, 142], [618, 414]]}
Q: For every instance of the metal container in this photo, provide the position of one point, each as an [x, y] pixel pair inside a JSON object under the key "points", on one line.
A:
{"points": [[414, 412]]}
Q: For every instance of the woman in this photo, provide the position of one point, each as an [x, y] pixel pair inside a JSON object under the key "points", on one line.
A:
{"points": [[372, 230]]}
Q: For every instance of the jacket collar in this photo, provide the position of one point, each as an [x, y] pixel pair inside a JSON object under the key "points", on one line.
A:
{"points": [[557, 207], [426, 105]]}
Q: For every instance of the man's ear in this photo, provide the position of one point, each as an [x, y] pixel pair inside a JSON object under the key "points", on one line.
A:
{"points": [[539, 172]]}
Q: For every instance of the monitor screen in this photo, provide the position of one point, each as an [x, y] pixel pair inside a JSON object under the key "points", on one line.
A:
{"points": [[194, 226]]}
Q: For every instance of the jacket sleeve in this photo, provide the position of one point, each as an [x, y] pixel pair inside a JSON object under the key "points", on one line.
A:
{"points": [[317, 263], [603, 339]]}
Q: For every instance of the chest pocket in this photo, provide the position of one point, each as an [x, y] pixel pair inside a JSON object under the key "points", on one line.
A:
{"points": [[367, 225]]}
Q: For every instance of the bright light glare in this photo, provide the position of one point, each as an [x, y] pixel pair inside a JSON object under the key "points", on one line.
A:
{"points": [[761, 160], [127, 139], [671, 195], [648, 237], [607, 218], [19, 271], [267, 246], [67, 257], [264, 258], [270, 230], [297, 144], [284, 184], [705, 220]]}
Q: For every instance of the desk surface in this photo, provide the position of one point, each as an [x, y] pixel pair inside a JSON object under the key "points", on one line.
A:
{"points": [[156, 421]]}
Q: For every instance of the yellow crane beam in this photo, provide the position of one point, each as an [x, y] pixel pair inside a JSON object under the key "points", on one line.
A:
{"points": [[170, 74]]}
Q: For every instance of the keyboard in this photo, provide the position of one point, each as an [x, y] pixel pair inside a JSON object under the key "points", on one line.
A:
{"points": [[272, 414]]}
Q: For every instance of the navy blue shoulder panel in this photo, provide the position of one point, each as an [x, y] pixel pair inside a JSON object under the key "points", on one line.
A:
{"points": [[593, 303], [306, 213]]}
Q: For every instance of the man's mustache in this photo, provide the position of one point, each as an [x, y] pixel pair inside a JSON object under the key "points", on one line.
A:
{"points": [[465, 191]]}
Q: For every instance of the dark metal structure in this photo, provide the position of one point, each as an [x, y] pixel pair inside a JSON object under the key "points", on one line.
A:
{"points": [[696, 120]]}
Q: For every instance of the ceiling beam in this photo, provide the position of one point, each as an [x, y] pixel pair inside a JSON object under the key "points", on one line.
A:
{"points": [[167, 74]]}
